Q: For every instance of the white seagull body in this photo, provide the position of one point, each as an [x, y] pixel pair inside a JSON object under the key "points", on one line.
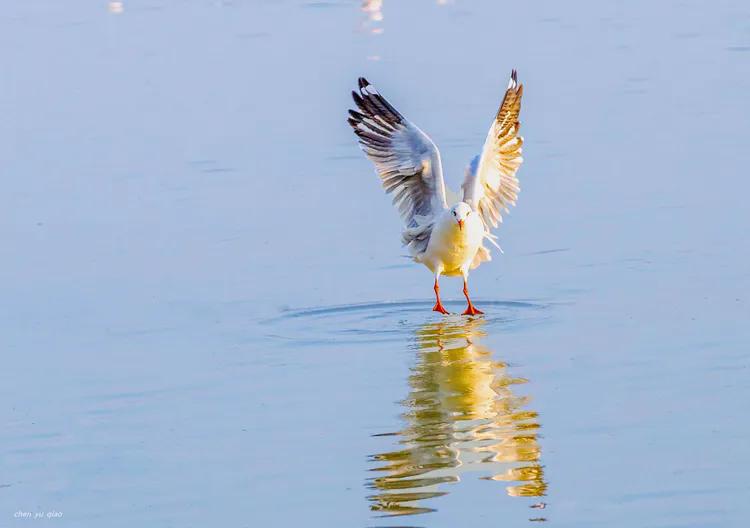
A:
{"points": [[449, 240]]}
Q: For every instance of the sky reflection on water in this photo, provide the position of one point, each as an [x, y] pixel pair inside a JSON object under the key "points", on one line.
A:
{"points": [[180, 182]]}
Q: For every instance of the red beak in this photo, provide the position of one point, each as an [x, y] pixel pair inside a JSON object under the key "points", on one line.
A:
{"points": [[461, 224]]}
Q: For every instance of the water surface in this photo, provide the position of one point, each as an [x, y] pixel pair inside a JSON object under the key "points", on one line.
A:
{"points": [[206, 318]]}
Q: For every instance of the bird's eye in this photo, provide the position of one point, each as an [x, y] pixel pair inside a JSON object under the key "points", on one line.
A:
{"points": [[454, 213]]}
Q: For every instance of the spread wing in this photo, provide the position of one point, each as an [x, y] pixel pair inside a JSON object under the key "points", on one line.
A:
{"points": [[491, 184], [406, 159]]}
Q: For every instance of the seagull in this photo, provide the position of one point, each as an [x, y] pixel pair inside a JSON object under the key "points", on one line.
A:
{"points": [[447, 239]]}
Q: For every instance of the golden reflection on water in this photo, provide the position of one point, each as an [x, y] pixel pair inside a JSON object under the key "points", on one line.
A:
{"points": [[116, 8], [460, 417], [373, 10]]}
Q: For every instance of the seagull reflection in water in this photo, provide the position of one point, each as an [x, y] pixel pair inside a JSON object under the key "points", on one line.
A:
{"points": [[460, 417]]}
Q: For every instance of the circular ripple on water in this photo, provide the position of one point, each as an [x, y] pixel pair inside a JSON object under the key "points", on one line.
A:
{"points": [[389, 321]]}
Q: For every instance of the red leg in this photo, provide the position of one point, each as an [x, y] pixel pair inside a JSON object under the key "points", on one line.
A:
{"points": [[438, 305], [471, 309]]}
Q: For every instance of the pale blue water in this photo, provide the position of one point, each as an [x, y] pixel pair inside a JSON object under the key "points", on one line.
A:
{"points": [[206, 320]]}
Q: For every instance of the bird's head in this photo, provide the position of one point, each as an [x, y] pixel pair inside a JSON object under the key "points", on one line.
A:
{"points": [[460, 211]]}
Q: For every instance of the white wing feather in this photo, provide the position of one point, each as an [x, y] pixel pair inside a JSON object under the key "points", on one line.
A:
{"points": [[406, 159], [490, 184]]}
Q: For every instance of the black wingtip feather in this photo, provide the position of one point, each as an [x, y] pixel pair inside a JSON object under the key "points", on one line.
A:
{"points": [[358, 100], [374, 106]]}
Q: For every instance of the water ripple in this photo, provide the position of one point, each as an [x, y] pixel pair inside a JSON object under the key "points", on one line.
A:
{"points": [[390, 321]]}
